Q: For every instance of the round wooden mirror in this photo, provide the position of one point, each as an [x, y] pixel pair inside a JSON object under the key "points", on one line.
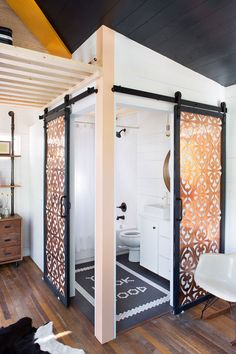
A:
{"points": [[166, 171]]}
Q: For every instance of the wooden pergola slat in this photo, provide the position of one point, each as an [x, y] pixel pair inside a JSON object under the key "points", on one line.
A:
{"points": [[26, 93], [44, 59], [6, 82], [25, 98], [27, 76], [36, 69], [20, 103], [41, 77]]}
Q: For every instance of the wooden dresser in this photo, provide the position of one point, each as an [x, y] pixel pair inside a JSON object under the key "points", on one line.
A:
{"points": [[10, 240]]}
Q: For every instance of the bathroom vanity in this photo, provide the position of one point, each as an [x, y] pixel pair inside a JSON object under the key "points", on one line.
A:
{"points": [[155, 240]]}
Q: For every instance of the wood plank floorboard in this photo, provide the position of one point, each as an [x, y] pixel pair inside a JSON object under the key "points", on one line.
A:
{"points": [[24, 293]]}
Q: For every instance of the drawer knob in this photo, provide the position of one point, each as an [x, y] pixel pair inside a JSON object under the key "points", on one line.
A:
{"points": [[7, 240], [7, 226], [154, 227], [7, 253]]}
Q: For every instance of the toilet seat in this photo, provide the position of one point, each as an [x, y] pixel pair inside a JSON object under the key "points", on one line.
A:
{"points": [[130, 233]]}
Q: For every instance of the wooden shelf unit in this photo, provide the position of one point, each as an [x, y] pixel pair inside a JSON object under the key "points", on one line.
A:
{"points": [[11, 242], [9, 186], [10, 156]]}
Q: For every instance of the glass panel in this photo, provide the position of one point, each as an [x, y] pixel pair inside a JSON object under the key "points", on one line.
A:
{"points": [[55, 190], [200, 185]]}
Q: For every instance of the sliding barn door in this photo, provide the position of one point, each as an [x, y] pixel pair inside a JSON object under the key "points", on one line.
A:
{"points": [[199, 198], [56, 208]]}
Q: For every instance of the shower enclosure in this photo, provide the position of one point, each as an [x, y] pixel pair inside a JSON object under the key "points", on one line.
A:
{"points": [[84, 190]]}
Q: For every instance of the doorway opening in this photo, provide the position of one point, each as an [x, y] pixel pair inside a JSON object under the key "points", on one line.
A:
{"points": [[83, 215], [143, 217]]}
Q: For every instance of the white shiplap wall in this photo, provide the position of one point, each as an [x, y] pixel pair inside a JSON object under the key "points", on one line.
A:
{"points": [[140, 154], [153, 145], [126, 171]]}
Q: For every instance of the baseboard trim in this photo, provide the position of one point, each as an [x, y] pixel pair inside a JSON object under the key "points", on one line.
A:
{"points": [[26, 252]]}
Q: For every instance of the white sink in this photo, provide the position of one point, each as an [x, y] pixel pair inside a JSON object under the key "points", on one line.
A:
{"points": [[157, 210]]}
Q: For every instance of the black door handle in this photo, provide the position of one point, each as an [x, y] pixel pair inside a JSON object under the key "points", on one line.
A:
{"points": [[180, 209], [62, 207]]}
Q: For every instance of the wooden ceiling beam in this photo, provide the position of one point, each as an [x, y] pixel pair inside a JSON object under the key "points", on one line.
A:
{"points": [[31, 81], [69, 69], [27, 76], [4, 91], [63, 73], [41, 77], [22, 104], [43, 59], [28, 98], [85, 83], [27, 86], [11, 99], [25, 92]]}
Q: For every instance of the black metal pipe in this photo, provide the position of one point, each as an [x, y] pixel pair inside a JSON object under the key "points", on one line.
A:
{"points": [[12, 115], [69, 101], [177, 99]]}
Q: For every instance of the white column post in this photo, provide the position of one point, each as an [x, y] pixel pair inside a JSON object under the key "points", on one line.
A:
{"points": [[105, 212]]}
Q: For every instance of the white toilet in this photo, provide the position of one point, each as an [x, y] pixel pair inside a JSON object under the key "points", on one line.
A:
{"points": [[131, 240]]}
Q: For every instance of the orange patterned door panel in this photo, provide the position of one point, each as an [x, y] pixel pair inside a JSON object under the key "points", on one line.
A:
{"points": [[199, 190], [56, 213]]}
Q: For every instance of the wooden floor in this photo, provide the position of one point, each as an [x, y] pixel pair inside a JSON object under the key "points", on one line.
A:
{"points": [[23, 293]]}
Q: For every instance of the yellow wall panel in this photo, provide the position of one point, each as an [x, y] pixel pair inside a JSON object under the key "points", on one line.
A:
{"points": [[32, 16]]}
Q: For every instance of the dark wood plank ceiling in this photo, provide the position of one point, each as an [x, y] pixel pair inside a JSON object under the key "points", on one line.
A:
{"points": [[200, 34]]}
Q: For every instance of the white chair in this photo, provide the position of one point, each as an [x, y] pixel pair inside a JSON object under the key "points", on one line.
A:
{"points": [[216, 274]]}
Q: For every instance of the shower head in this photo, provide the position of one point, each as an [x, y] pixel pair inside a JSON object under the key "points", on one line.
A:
{"points": [[118, 134]]}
